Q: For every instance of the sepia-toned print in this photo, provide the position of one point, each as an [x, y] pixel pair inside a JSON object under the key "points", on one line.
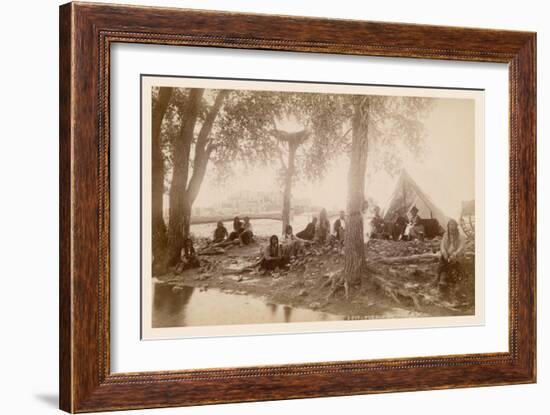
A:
{"points": [[278, 207]]}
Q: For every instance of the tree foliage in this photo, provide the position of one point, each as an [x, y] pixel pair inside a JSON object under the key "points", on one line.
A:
{"points": [[205, 129], [395, 129]]}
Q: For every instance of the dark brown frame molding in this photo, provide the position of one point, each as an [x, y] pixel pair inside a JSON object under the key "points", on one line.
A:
{"points": [[86, 33]]}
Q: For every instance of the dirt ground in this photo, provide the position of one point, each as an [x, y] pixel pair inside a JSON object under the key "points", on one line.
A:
{"points": [[399, 283]]}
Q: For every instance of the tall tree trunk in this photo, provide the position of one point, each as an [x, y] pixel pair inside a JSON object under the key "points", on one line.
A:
{"points": [[186, 219], [158, 227], [354, 243], [184, 190], [289, 177], [203, 150], [293, 141], [180, 171]]}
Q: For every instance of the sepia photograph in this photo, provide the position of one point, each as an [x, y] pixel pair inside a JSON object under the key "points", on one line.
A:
{"points": [[257, 206], [291, 207]]}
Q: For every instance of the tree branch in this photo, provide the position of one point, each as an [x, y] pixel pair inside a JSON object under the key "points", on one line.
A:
{"points": [[202, 153], [347, 132], [206, 128], [189, 114], [299, 136]]}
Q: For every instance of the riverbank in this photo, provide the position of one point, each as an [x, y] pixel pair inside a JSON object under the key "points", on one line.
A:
{"points": [[399, 284]]}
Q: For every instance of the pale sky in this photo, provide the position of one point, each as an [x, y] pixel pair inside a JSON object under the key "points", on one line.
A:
{"points": [[446, 173]]}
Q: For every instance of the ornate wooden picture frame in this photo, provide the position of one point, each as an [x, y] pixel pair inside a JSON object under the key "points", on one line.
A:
{"points": [[87, 32]]}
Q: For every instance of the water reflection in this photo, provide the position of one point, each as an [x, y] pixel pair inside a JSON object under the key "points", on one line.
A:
{"points": [[188, 306]]}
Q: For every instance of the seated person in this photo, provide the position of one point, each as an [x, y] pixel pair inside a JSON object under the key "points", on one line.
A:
{"points": [[414, 230], [220, 233], [289, 233], [246, 236], [322, 230], [292, 246], [188, 256], [377, 224], [237, 228], [309, 232], [273, 256], [452, 245], [365, 217], [340, 228], [396, 229]]}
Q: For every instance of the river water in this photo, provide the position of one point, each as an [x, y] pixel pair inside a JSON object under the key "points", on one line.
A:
{"points": [[190, 306]]}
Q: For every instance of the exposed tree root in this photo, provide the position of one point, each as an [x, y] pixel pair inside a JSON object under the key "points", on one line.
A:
{"points": [[336, 281], [395, 292], [419, 298]]}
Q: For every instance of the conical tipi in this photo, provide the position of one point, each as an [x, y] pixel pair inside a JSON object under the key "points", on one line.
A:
{"points": [[408, 194]]}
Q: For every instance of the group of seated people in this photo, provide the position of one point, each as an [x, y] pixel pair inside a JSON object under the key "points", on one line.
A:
{"points": [[242, 233], [402, 228], [277, 254], [318, 230]]}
